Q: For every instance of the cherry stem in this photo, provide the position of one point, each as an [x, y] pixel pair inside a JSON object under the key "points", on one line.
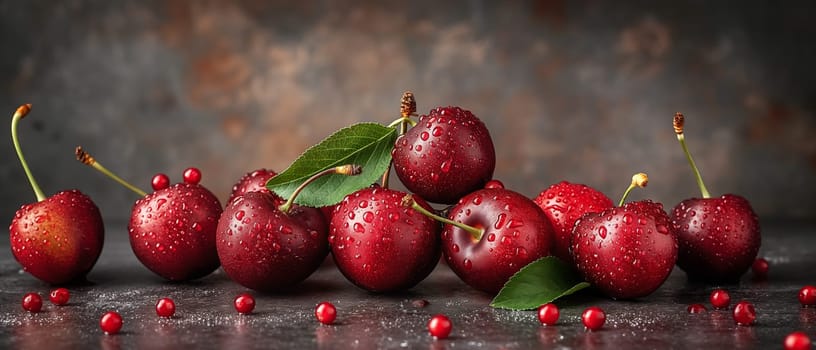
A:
{"points": [[348, 170], [407, 109], [679, 121], [19, 114], [85, 158], [408, 200], [638, 180]]}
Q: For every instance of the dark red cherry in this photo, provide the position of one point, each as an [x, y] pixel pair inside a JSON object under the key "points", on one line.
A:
{"points": [[440, 326], [111, 322], [325, 312], [32, 302], [192, 176]]}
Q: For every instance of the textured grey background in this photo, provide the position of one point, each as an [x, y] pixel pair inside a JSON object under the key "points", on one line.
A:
{"points": [[581, 91]]}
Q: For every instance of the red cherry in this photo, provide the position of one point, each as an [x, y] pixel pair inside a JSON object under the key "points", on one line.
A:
{"points": [[807, 296], [325, 312], [244, 303], [744, 313], [593, 318], [59, 296], [160, 182], [548, 314], [760, 268], [111, 322], [797, 341], [192, 176], [696, 308], [165, 307], [494, 184], [440, 326], [720, 299], [32, 302]]}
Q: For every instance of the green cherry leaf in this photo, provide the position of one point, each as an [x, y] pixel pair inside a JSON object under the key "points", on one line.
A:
{"points": [[366, 144], [540, 282]]}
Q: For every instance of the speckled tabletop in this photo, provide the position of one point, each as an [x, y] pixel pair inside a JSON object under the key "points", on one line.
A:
{"points": [[205, 317]]}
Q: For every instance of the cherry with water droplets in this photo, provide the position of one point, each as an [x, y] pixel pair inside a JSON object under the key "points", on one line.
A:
{"points": [[492, 233], [744, 313], [253, 181], [440, 326], [564, 203], [244, 303], [111, 322], [325, 312], [381, 244], [807, 295], [172, 230], [797, 341], [719, 238], [548, 314], [59, 296], [32, 302], [57, 239], [593, 318], [448, 154], [628, 251], [165, 307], [720, 299]]}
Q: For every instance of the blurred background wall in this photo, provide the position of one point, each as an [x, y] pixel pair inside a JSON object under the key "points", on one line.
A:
{"points": [[581, 90]]}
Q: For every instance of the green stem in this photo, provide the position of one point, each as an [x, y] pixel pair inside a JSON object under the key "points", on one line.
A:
{"points": [[703, 189], [638, 180], [403, 123], [19, 114], [348, 170], [475, 232], [85, 158]]}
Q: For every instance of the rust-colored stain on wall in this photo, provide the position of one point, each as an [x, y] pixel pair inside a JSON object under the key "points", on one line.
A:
{"points": [[579, 91]]}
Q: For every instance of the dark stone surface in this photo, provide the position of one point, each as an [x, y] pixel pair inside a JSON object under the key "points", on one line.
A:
{"points": [[205, 317]]}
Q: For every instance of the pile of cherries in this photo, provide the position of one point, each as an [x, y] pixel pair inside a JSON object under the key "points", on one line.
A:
{"points": [[384, 240]]}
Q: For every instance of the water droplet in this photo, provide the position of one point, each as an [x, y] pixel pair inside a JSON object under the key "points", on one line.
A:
{"points": [[506, 240], [197, 227], [477, 200], [424, 136], [500, 221], [418, 148], [455, 248], [285, 229], [662, 229], [468, 264], [363, 204], [368, 216], [434, 177], [491, 237], [393, 216], [514, 223], [446, 166], [627, 218], [358, 228], [437, 131], [240, 215]]}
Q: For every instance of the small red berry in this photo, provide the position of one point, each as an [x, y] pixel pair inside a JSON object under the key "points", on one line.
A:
{"points": [[797, 341], [494, 184], [244, 303], [440, 326], [325, 312], [165, 307], [696, 308], [720, 299], [59, 296], [111, 322], [548, 314], [192, 176], [32, 302], [760, 268], [593, 318], [744, 313], [160, 182], [807, 296]]}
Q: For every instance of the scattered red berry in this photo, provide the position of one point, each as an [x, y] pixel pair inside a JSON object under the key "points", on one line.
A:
{"points": [[797, 341], [744, 313], [807, 295], [111, 322], [548, 314], [420, 303], [696, 308], [720, 299], [325, 312], [192, 176], [160, 182], [593, 318], [760, 268], [32, 302], [494, 184], [165, 307], [244, 303], [59, 296], [440, 326]]}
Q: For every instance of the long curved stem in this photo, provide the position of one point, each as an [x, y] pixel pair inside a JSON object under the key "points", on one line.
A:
{"points": [[19, 114], [678, 123], [87, 159], [477, 233], [348, 170]]}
